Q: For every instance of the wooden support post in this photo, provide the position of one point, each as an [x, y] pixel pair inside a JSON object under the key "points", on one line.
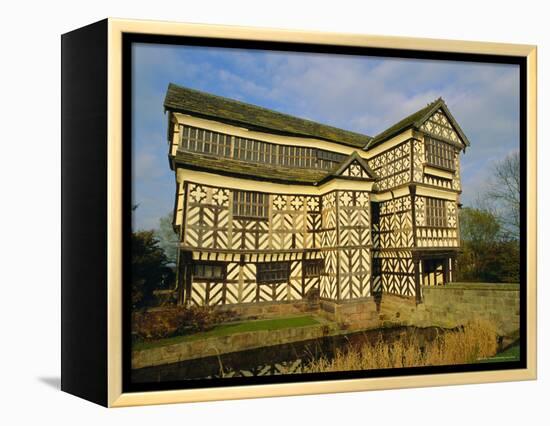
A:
{"points": [[180, 279], [445, 271], [188, 282], [184, 279], [417, 284]]}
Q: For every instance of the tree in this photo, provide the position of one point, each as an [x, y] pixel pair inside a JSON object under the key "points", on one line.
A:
{"points": [[479, 231], [504, 194], [486, 255], [150, 270], [479, 227], [168, 238]]}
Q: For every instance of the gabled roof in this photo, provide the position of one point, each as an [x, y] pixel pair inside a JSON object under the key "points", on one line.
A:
{"points": [[415, 120], [354, 157], [206, 105], [339, 170]]}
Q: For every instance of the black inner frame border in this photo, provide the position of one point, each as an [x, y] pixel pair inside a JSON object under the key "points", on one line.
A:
{"points": [[130, 38]]}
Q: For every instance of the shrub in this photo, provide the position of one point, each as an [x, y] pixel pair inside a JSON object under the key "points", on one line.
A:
{"points": [[158, 324]]}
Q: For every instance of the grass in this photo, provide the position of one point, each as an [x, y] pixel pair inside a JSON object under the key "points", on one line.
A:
{"points": [[478, 339], [233, 328], [510, 354]]}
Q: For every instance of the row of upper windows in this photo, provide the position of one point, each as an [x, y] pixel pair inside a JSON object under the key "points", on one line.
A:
{"points": [[434, 210], [266, 272], [220, 144], [255, 205], [438, 153]]}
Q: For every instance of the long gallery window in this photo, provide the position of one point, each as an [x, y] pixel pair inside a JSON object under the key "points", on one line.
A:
{"points": [[435, 213], [296, 156], [272, 272], [247, 204], [205, 141], [256, 151], [219, 144], [440, 154]]}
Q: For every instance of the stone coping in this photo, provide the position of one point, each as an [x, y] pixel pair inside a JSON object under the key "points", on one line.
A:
{"points": [[218, 345], [476, 286]]}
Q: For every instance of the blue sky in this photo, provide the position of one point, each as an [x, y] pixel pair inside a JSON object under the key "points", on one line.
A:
{"points": [[363, 94]]}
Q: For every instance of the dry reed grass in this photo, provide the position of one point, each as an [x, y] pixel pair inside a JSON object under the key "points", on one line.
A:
{"points": [[474, 341]]}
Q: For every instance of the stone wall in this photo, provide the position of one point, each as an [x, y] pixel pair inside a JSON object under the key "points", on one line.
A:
{"points": [[194, 349], [270, 309], [453, 305], [446, 306]]}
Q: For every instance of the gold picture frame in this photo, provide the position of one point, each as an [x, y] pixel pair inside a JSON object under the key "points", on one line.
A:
{"points": [[112, 32]]}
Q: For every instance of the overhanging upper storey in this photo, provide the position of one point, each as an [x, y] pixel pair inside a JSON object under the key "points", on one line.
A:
{"points": [[434, 120]]}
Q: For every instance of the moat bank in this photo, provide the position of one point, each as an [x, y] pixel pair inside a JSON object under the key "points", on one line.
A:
{"points": [[446, 307]]}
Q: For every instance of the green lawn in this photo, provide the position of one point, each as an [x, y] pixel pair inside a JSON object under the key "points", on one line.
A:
{"points": [[510, 354], [237, 327]]}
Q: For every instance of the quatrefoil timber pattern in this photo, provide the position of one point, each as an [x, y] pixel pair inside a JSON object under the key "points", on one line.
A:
{"points": [[392, 167]]}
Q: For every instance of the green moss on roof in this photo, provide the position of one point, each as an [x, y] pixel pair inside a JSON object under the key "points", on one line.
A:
{"points": [[185, 100], [228, 166]]}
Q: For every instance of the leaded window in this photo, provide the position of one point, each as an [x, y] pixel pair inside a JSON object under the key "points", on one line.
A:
{"points": [[255, 151], [327, 159], [251, 150], [313, 268], [272, 272], [440, 154], [296, 156], [435, 213], [247, 204], [209, 271], [205, 141]]}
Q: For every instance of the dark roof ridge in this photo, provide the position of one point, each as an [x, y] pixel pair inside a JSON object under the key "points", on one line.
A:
{"points": [[415, 120]]}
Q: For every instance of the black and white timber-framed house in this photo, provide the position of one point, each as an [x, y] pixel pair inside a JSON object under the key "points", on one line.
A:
{"points": [[270, 207]]}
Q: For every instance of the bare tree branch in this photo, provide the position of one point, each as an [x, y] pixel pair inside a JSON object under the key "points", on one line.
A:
{"points": [[504, 193]]}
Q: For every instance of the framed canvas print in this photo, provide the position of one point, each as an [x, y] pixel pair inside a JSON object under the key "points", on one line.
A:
{"points": [[250, 212]]}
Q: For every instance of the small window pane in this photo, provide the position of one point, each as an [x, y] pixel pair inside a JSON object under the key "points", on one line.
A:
{"points": [[435, 213], [440, 154], [250, 204], [208, 271], [272, 272]]}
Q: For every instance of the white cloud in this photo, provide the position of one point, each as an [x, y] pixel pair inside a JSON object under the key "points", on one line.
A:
{"points": [[360, 94]]}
